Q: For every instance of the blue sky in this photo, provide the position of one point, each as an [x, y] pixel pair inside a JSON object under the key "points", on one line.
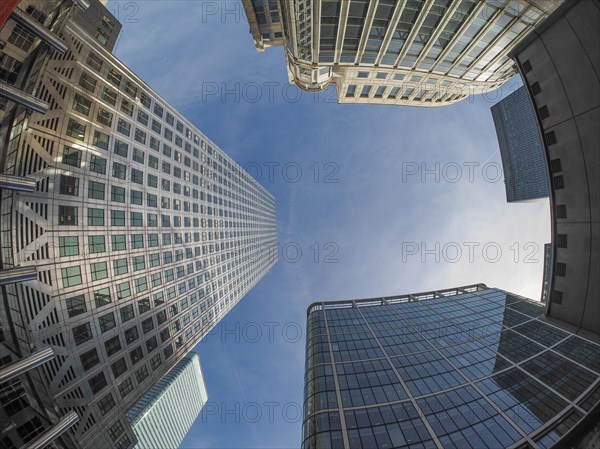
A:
{"points": [[376, 222]]}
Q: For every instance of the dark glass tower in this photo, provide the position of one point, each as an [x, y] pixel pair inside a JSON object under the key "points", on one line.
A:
{"points": [[466, 367], [521, 148]]}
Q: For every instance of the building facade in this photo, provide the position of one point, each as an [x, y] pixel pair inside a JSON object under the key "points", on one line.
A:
{"points": [[415, 53], [521, 148], [457, 368], [135, 232], [560, 66], [163, 417]]}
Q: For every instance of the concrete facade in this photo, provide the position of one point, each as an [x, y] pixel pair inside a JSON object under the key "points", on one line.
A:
{"points": [[560, 65]]}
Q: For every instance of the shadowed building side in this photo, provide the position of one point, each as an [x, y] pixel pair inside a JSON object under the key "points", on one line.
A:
{"points": [[560, 66]]}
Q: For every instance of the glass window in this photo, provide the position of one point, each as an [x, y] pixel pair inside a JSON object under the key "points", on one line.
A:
{"points": [[112, 346], [138, 155], [158, 110], [118, 243], [21, 38], [71, 156], [101, 140], [138, 263], [96, 190], [136, 219], [99, 271], [155, 361], [67, 215], [152, 240], [152, 200], [143, 305], [68, 246], [114, 77], [107, 322], [152, 162], [124, 389], [82, 333], [123, 290], [97, 164], [120, 266], [141, 284], [81, 104], [117, 218], [142, 118], [109, 95], [95, 217], [71, 276], [152, 181], [76, 129], [121, 148], [88, 82], [124, 127], [102, 297], [76, 305], [119, 171], [117, 194], [126, 313], [156, 126], [89, 359], [140, 136], [137, 176], [135, 197], [97, 382], [147, 325], [154, 143], [96, 244], [130, 89], [106, 404], [131, 334], [141, 374], [69, 185], [104, 117], [152, 220], [137, 241], [120, 366], [136, 355], [145, 100], [127, 107]]}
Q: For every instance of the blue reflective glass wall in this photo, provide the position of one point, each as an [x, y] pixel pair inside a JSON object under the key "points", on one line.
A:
{"points": [[477, 369]]}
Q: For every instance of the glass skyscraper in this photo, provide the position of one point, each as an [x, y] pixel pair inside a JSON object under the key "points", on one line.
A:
{"points": [[416, 52], [521, 148], [165, 414], [126, 233], [470, 367]]}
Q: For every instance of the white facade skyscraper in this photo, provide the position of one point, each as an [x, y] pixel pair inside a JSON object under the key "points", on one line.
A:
{"points": [[413, 52], [135, 232], [165, 414]]}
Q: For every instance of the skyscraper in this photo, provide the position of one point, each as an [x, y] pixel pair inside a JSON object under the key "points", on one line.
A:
{"points": [[559, 66], [457, 368], [415, 53], [162, 418], [521, 148], [127, 234]]}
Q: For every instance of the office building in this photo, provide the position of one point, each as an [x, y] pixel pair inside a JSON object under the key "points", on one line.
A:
{"points": [[126, 233], [165, 414], [521, 148], [415, 53], [559, 64], [469, 367]]}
